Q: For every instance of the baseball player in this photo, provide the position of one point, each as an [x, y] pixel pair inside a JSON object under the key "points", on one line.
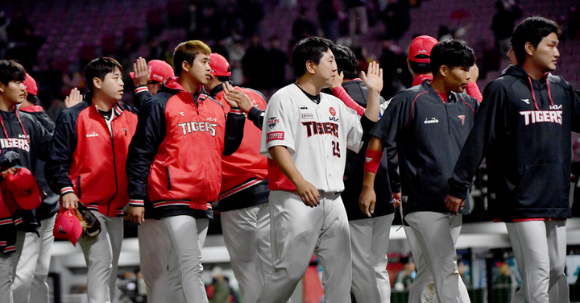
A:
{"points": [[23, 134], [523, 130], [429, 124], [243, 199], [305, 135], [30, 282], [101, 129], [369, 237], [174, 162], [154, 242]]}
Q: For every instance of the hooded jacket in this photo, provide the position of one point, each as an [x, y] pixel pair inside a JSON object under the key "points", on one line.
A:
{"points": [[50, 205], [523, 130], [175, 157], [89, 159], [429, 134]]}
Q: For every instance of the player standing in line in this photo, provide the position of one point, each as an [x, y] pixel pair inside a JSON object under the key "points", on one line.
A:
{"points": [[23, 134], [523, 130], [154, 242], [102, 129], [174, 162], [243, 199], [429, 124], [369, 237], [304, 135], [30, 281]]}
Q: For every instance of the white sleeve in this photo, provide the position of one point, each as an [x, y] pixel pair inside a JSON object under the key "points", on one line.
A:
{"points": [[278, 125], [355, 130]]}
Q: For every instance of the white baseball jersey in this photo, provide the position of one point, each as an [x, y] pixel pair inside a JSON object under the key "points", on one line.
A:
{"points": [[316, 135]]}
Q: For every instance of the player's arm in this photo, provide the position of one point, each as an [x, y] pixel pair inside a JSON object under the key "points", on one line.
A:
{"points": [[234, 123], [307, 192], [148, 136], [472, 88], [373, 80], [60, 157], [368, 197], [481, 136], [241, 100], [141, 75], [339, 92]]}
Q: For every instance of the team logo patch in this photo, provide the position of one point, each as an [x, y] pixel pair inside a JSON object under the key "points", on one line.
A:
{"points": [[275, 136], [542, 116], [307, 116], [272, 122], [405, 199], [332, 111], [462, 117], [93, 134], [431, 120]]}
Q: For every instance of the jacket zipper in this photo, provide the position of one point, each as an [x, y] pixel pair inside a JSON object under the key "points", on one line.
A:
{"points": [[114, 163], [168, 178]]}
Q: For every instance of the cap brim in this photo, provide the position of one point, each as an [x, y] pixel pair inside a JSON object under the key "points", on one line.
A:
{"points": [[76, 233], [421, 60]]}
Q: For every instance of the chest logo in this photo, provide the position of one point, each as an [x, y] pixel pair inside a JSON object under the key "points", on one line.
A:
{"points": [[93, 134], [556, 106], [527, 101], [192, 127], [431, 120], [182, 113], [332, 111], [542, 116], [462, 117]]}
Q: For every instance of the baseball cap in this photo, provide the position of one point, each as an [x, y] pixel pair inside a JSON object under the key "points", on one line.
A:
{"points": [[67, 226], [31, 87], [160, 70], [420, 49], [24, 188], [219, 65]]}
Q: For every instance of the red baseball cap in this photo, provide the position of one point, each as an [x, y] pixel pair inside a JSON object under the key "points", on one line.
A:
{"points": [[24, 188], [219, 65], [160, 70], [67, 226], [31, 87], [420, 49]]}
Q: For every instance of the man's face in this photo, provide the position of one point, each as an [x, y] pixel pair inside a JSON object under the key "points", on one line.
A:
{"points": [[546, 54], [153, 87], [112, 85], [457, 78], [14, 92], [512, 57], [200, 70], [325, 70]]}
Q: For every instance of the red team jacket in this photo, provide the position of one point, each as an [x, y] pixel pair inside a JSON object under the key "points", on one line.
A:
{"points": [[246, 167], [84, 159], [175, 159]]}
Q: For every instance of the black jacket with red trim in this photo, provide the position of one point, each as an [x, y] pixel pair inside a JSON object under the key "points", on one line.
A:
{"points": [[25, 135], [89, 160], [49, 206], [175, 157], [7, 220], [245, 172], [428, 134], [523, 130], [142, 95]]}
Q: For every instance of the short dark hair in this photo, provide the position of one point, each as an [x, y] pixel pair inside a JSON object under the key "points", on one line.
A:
{"points": [[187, 51], [420, 68], [308, 49], [33, 99], [451, 53], [11, 70], [99, 68], [533, 30], [345, 61], [223, 78]]}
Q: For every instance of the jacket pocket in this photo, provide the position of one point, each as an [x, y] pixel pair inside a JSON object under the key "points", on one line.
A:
{"points": [[168, 178], [542, 186]]}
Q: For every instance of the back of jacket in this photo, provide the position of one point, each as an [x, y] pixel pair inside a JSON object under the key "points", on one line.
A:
{"points": [[524, 132]]}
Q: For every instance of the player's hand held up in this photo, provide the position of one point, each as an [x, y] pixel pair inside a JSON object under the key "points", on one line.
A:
{"points": [[337, 80], [373, 79], [142, 72], [236, 98], [136, 214], [70, 200], [454, 204], [73, 98]]}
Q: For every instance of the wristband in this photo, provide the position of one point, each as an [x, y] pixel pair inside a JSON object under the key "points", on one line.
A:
{"points": [[372, 160]]}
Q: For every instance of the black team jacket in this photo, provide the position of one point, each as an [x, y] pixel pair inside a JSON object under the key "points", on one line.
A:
{"points": [[428, 134], [523, 130]]}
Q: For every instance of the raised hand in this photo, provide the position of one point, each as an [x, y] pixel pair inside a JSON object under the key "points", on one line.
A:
{"points": [[142, 72], [373, 79], [73, 98], [236, 98]]}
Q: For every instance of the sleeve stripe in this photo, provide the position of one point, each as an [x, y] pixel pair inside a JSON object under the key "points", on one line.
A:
{"points": [[236, 111], [66, 190], [136, 203], [141, 89]]}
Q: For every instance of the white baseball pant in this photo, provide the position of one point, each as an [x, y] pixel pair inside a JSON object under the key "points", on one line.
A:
{"points": [[369, 243], [184, 283], [540, 251], [102, 257], [247, 237], [6, 276], [30, 283], [296, 232], [437, 234], [154, 247], [423, 283]]}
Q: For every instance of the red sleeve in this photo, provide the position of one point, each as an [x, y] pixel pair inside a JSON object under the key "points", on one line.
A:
{"points": [[473, 90], [341, 94]]}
